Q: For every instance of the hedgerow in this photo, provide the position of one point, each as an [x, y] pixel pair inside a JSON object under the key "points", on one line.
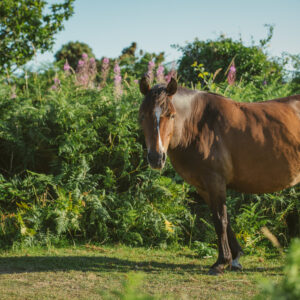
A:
{"points": [[73, 169]]}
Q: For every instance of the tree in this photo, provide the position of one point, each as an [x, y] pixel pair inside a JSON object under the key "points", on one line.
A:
{"points": [[128, 51], [250, 61], [295, 62], [137, 64], [25, 28], [73, 53]]}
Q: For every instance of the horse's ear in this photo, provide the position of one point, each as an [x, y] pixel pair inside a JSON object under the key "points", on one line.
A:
{"points": [[172, 87], [144, 85]]}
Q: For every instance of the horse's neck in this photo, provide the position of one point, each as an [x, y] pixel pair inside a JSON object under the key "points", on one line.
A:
{"points": [[184, 103]]}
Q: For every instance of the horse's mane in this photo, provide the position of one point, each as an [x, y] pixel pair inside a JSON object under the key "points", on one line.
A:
{"points": [[158, 96], [186, 91]]}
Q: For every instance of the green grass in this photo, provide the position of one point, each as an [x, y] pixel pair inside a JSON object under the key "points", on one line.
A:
{"points": [[93, 272]]}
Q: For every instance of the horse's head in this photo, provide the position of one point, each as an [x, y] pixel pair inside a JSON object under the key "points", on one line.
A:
{"points": [[157, 115]]}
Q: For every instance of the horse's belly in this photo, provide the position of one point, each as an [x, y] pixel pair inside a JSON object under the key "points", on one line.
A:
{"points": [[266, 179]]}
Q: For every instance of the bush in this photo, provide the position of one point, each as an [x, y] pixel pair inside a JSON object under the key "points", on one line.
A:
{"points": [[72, 52], [136, 65], [250, 61], [73, 168]]}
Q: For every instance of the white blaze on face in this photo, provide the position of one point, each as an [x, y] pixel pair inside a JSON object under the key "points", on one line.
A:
{"points": [[157, 111]]}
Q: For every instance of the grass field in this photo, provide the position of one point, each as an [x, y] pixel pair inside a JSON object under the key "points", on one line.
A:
{"points": [[92, 272]]}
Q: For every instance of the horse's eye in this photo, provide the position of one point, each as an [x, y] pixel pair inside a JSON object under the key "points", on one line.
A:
{"points": [[170, 116]]}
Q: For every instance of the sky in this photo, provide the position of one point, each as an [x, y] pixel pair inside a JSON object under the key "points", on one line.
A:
{"points": [[108, 26]]}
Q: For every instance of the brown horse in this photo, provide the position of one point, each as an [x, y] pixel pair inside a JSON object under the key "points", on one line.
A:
{"points": [[214, 143]]}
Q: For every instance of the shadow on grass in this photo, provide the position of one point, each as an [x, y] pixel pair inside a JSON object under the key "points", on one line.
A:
{"points": [[25, 264]]}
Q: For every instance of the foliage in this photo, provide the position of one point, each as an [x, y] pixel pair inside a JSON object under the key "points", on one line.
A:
{"points": [[131, 63], [279, 212], [250, 61], [72, 52], [289, 287], [295, 62], [72, 165], [73, 168], [204, 249], [25, 28], [132, 288], [136, 64]]}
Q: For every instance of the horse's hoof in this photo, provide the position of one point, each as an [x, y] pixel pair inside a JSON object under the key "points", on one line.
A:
{"points": [[215, 271], [236, 267], [235, 264]]}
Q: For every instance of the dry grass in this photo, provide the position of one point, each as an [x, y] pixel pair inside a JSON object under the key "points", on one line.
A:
{"points": [[91, 272]]}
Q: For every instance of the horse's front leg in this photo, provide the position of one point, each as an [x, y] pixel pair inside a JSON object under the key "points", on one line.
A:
{"points": [[220, 218]]}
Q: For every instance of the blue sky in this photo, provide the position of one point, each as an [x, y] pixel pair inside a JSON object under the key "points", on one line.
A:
{"points": [[109, 26]]}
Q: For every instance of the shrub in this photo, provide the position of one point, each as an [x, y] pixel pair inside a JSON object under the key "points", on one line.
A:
{"points": [[72, 52], [73, 168], [134, 64], [250, 61]]}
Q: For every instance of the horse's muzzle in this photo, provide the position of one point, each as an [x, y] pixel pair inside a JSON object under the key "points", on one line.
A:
{"points": [[156, 160]]}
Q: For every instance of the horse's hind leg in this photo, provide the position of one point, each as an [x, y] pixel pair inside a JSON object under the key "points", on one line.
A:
{"points": [[236, 249]]}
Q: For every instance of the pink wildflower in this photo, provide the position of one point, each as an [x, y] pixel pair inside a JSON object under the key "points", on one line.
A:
{"points": [[151, 66], [118, 80], [117, 69], [56, 84], [92, 69], [66, 66], [82, 73], [86, 71], [80, 62], [56, 81], [160, 74], [231, 74], [104, 71], [172, 73]]}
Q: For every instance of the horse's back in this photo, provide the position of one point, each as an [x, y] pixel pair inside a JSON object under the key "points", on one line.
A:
{"points": [[263, 140]]}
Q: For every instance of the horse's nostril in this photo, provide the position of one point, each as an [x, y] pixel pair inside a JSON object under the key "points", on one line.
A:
{"points": [[156, 158], [151, 157]]}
